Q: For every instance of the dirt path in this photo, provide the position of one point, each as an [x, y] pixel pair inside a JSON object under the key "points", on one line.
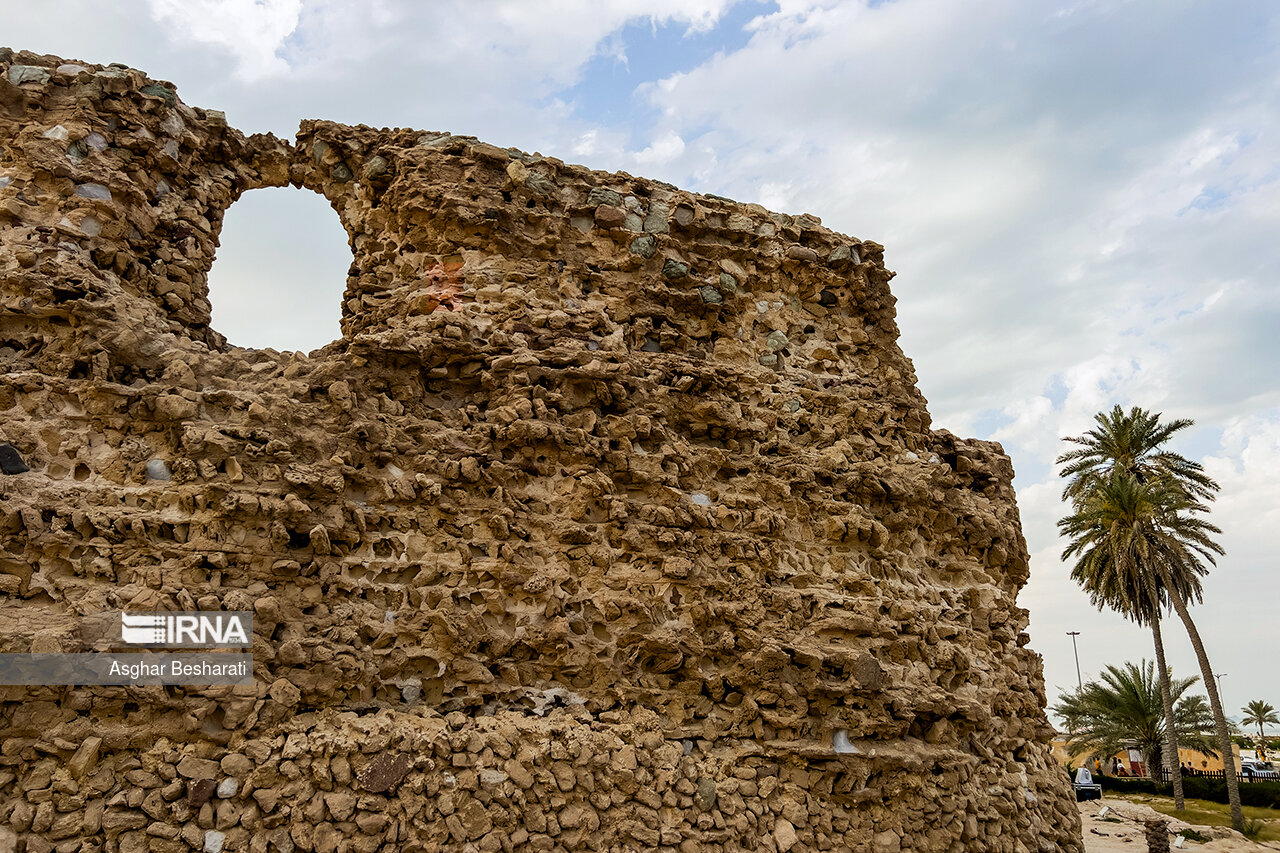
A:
{"points": [[1119, 830]]}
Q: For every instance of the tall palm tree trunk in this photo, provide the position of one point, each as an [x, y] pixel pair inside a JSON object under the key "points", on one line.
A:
{"points": [[1211, 686], [1171, 762]]}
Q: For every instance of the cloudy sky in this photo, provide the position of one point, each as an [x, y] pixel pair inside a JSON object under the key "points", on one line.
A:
{"points": [[1081, 199]]}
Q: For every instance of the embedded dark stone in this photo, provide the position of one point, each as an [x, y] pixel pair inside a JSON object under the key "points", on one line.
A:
{"points": [[705, 797], [827, 299], [10, 460], [540, 184], [384, 772], [376, 167], [868, 673], [644, 246], [710, 295], [164, 93], [673, 269], [199, 791], [600, 195]]}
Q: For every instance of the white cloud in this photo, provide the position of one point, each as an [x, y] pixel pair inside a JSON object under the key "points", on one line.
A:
{"points": [[252, 31], [663, 150], [1248, 509], [586, 144], [1028, 420], [775, 195]]}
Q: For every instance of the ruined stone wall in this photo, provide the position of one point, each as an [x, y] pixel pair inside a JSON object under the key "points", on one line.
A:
{"points": [[614, 520]]}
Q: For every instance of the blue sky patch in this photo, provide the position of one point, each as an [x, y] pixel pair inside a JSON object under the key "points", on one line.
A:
{"points": [[989, 422], [644, 52], [1211, 198], [1056, 391]]}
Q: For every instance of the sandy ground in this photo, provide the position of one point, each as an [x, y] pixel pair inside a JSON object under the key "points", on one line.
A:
{"points": [[1124, 833]]}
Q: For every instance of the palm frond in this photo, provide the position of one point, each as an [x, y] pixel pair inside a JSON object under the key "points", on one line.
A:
{"points": [[1124, 708], [1131, 442]]}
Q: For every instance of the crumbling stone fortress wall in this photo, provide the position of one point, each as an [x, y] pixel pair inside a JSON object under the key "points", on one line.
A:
{"points": [[614, 520]]}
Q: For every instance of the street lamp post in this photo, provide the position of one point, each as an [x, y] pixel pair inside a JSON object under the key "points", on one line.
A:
{"points": [[1079, 680], [1218, 676]]}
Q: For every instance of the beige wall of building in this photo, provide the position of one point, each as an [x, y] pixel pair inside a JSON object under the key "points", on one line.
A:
{"points": [[1196, 760]]}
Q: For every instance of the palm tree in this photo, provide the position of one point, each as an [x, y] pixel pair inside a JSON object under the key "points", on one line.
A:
{"points": [[1131, 443], [1117, 581], [1197, 714], [1150, 525], [1125, 707], [1259, 713]]}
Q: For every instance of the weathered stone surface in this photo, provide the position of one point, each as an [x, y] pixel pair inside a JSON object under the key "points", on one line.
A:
{"points": [[636, 555], [197, 768], [19, 74], [784, 835], [384, 772], [705, 794], [85, 757], [608, 216], [237, 765]]}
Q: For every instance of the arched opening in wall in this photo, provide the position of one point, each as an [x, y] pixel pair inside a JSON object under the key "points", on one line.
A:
{"points": [[280, 271]]}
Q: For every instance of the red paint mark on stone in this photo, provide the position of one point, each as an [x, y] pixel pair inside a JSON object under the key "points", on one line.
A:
{"points": [[438, 288]]}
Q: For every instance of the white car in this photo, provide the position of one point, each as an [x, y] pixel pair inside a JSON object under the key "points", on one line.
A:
{"points": [[1251, 768]]}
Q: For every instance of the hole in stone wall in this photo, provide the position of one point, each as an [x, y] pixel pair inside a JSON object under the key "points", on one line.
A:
{"points": [[280, 272]]}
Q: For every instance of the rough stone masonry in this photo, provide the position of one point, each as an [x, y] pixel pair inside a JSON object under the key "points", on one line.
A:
{"points": [[613, 521]]}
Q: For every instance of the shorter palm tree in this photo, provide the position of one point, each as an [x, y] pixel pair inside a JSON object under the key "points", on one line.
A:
{"points": [[1259, 713], [1125, 709], [1195, 713]]}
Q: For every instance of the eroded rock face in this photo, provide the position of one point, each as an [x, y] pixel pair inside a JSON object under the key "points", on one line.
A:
{"points": [[614, 520]]}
